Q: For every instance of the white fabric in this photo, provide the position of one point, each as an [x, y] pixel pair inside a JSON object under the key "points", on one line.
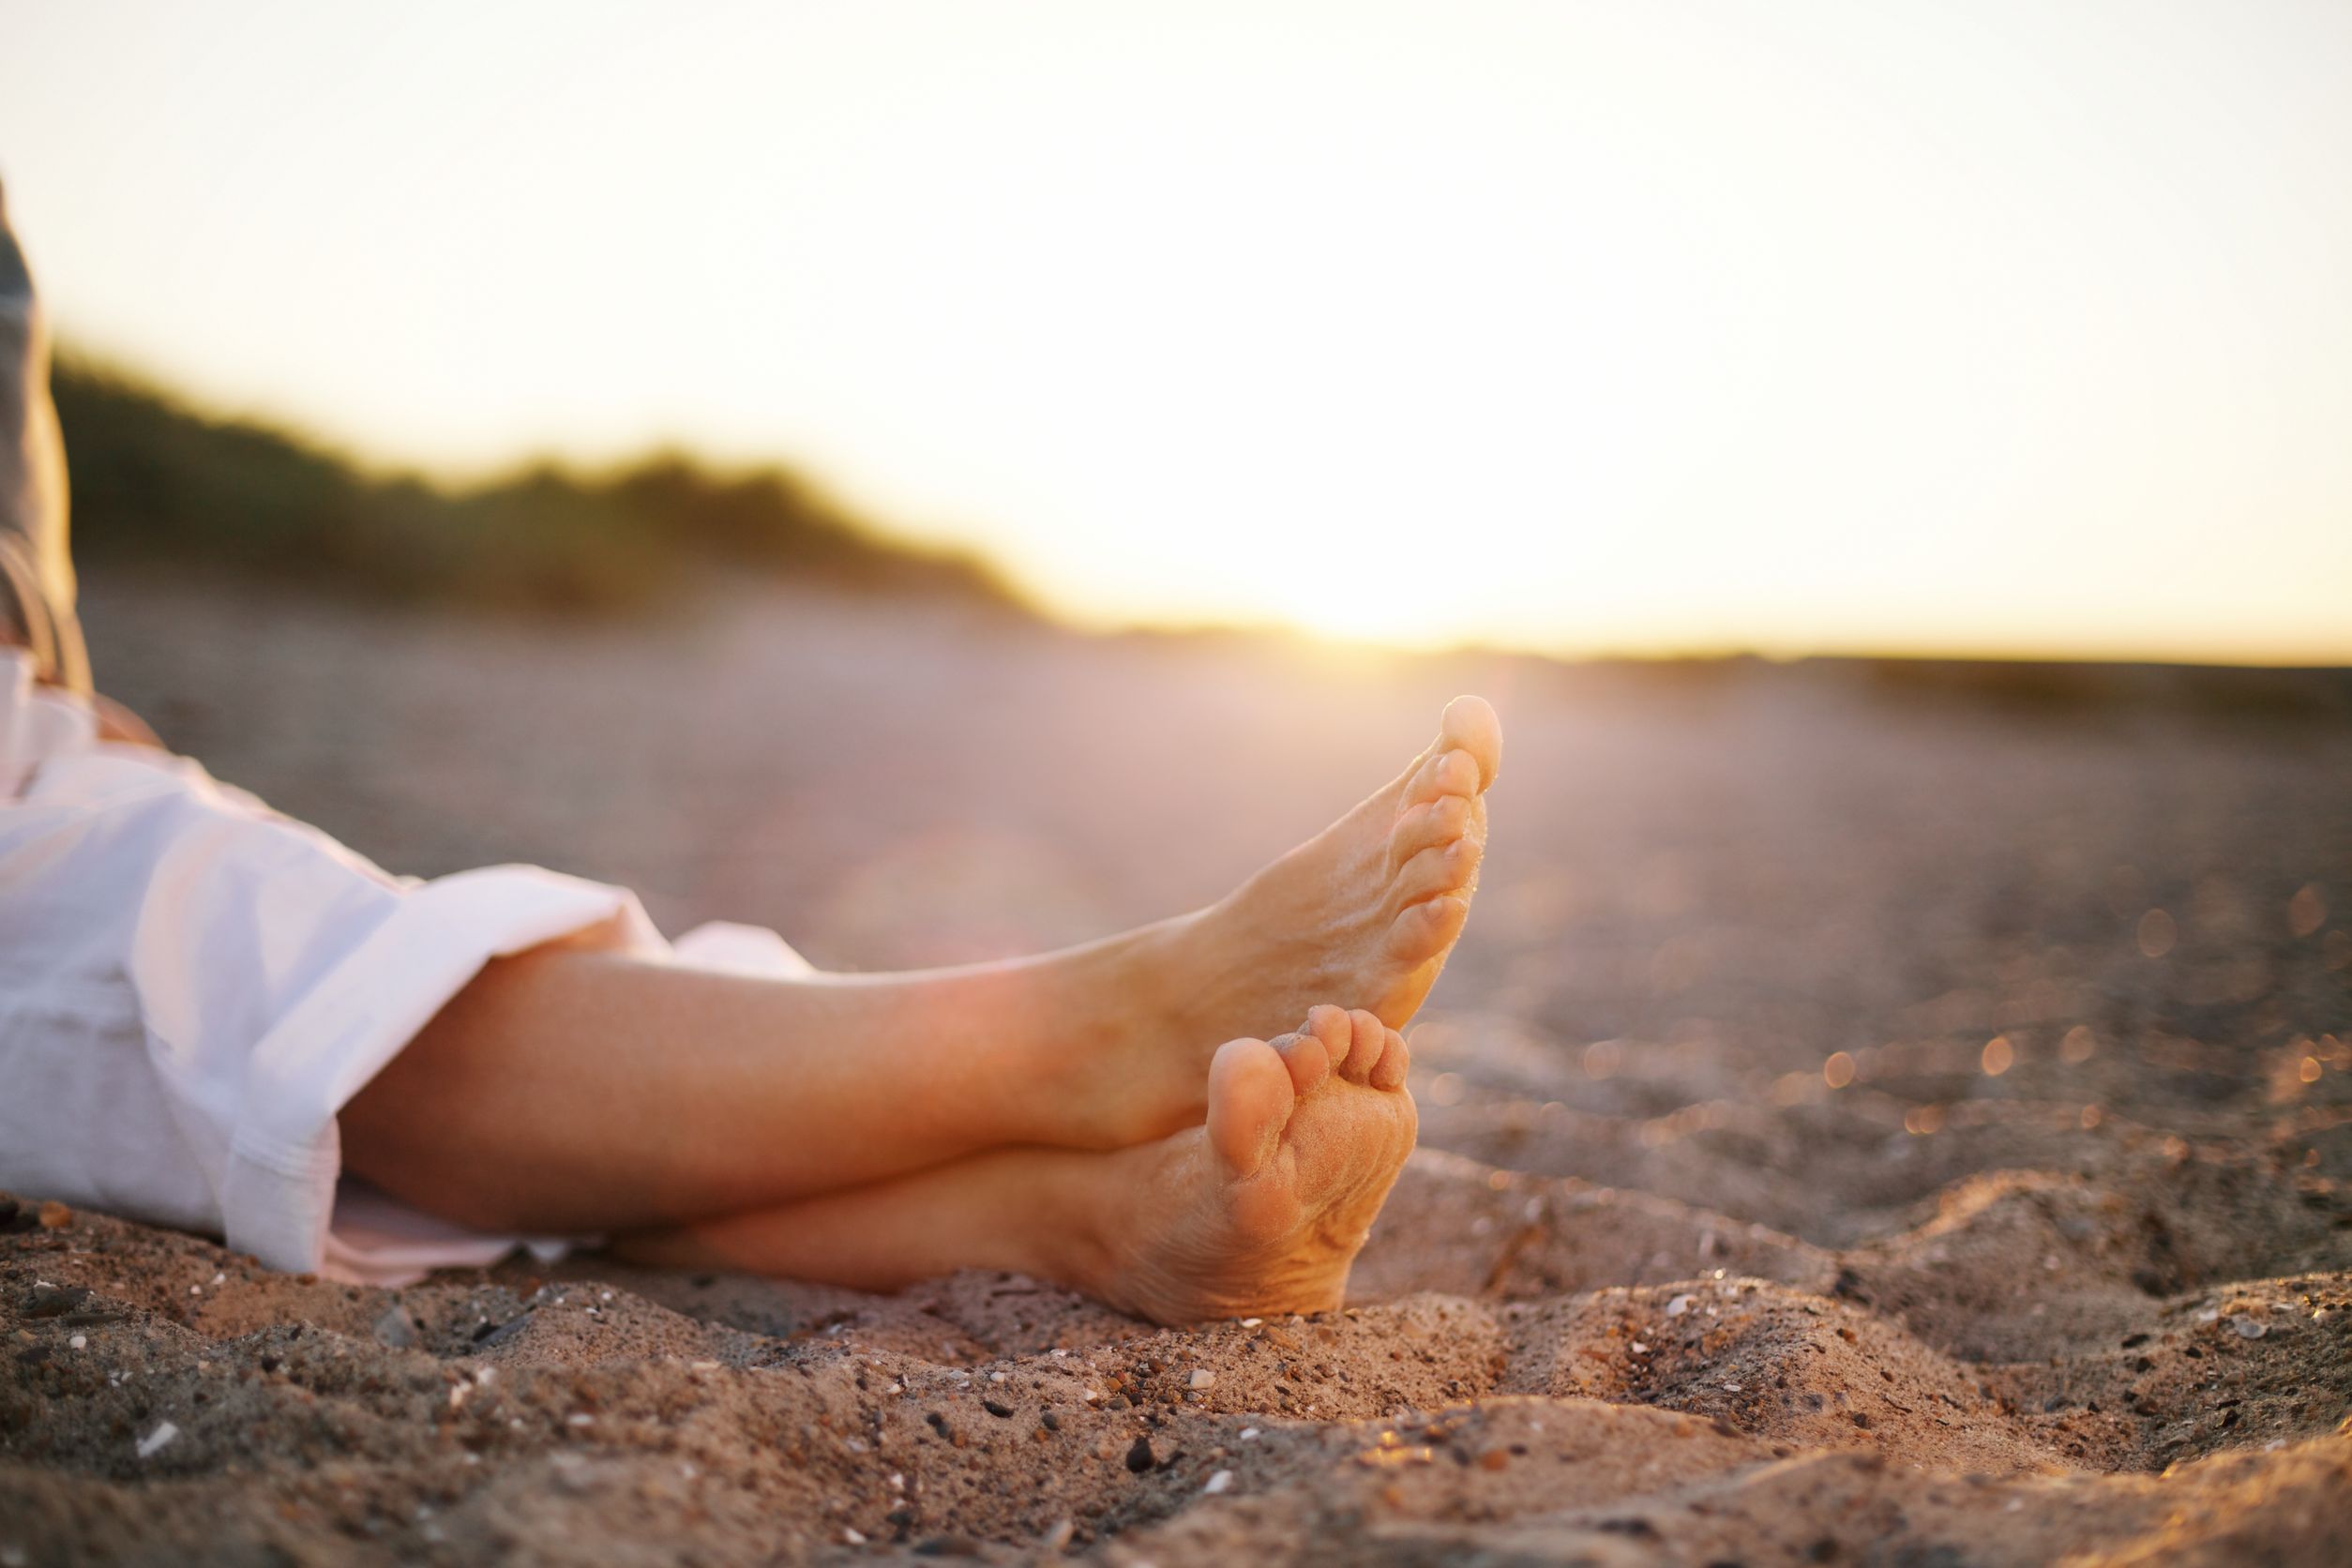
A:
{"points": [[191, 986]]}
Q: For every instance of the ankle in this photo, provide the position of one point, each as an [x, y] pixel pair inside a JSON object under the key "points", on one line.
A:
{"points": [[1073, 1219]]}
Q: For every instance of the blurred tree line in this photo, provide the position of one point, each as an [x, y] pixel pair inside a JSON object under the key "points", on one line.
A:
{"points": [[154, 482]]}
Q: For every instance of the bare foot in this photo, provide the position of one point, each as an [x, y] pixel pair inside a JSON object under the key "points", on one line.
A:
{"points": [[1263, 1209], [1365, 913]]}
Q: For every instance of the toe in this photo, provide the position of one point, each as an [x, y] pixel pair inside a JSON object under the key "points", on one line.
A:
{"points": [[1307, 1058], [1447, 773], [1470, 725], [1426, 929], [1388, 1073], [1367, 1034], [1329, 1024], [1440, 868], [1250, 1102], [1438, 821]]}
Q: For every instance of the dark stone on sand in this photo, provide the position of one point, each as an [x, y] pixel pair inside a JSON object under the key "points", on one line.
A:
{"points": [[1052, 1422], [54, 1301], [997, 1408], [948, 1545], [1140, 1457], [501, 1332]]}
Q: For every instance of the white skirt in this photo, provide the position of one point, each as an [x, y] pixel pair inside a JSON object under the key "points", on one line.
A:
{"points": [[191, 986]]}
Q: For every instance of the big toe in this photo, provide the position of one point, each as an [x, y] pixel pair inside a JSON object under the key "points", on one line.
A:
{"points": [[1250, 1099], [1471, 725]]}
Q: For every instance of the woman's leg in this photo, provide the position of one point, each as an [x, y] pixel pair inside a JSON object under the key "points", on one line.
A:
{"points": [[568, 1090], [1261, 1210], [571, 1090]]}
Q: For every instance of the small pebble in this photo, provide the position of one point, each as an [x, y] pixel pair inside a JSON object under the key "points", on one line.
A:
{"points": [[1203, 1377], [79, 1341], [394, 1327], [54, 1301], [156, 1442], [1679, 1306], [1220, 1482], [2247, 1327]]}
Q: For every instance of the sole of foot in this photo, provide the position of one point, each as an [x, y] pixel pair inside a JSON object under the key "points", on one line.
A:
{"points": [[1264, 1207], [1363, 914]]}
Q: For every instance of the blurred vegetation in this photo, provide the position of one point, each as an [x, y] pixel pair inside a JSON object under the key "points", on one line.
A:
{"points": [[154, 481]]}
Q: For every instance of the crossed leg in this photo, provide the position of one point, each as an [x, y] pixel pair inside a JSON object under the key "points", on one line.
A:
{"points": [[1135, 1157], [571, 1090], [1260, 1209]]}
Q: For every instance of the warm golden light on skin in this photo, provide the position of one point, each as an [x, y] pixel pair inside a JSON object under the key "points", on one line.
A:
{"points": [[2007, 328]]}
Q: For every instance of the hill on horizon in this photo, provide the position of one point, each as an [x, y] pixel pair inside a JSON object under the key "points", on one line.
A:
{"points": [[153, 480]]}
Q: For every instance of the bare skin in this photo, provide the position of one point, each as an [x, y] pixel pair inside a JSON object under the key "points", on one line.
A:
{"points": [[1261, 1210], [572, 1088], [1365, 912]]}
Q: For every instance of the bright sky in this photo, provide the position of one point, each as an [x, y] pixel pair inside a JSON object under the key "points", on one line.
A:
{"points": [[2014, 327]]}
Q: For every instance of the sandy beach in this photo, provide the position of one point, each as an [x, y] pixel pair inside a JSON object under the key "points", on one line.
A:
{"points": [[1886, 1117]]}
